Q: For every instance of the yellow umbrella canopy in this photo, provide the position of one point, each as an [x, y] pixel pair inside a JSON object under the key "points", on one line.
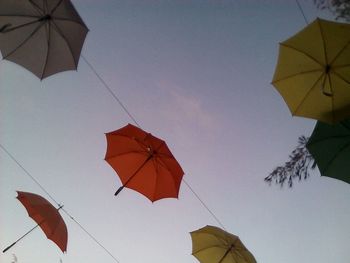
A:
{"points": [[313, 71], [211, 244]]}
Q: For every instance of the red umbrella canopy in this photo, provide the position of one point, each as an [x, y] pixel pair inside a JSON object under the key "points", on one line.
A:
{"points": [[143, 163], [46, 216]]}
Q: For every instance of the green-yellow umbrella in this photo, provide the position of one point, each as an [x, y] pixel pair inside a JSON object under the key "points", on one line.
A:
{"points": [[313, 71], [211, 244], [330, 147]]}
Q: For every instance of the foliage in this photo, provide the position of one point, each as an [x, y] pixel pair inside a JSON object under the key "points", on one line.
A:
{"points": [[340, 8], [298, 167]]}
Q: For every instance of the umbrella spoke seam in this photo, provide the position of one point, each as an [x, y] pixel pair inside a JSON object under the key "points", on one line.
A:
{"points": [[307, 94], [68, 20], [57, 29], [339, 53], [48, 35], [126, 153], [55, 7], [297, 74], [24, 41], [38, 8], [323, 42], [314, 142], [304, 53], [336, 155], [341, 77]]}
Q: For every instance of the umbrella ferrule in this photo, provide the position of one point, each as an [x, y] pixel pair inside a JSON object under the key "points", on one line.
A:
{"points": [[45, 17]]}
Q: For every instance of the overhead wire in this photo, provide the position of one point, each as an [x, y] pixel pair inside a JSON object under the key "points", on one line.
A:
{"points": [[57, 203], [302, 12]]}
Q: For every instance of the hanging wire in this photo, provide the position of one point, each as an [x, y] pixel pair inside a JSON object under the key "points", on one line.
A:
{"points": [[58, 204], [206, 207], [110, 90], [91, 236], [27, 173], [134, 120], [302, 11]]}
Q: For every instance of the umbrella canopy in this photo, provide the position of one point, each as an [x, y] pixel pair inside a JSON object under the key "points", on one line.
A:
{"points": [[330, 147], [211, 244], [47, 218], [44, 36], [313, 71], [143, 163]]}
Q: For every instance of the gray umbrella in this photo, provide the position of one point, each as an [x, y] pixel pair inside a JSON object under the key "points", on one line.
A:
{"points": [[44, 36]]}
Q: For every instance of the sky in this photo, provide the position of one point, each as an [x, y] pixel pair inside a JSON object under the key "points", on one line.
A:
{"points": [[197, 74]]}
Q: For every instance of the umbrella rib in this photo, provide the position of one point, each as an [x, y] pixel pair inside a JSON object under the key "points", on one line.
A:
{"points": [[307, 94], [337, 154], [157, 163], [36, 6], [323, 42], [325, 139], [210, 246], [24, 41], [304, 53], [156, 167], [48, 33], [55, 27], [68, 20], [339, 53], [56, 6], [238, 252], [226, 253], [125, 153], [297, 74], [28, 16], [20, 26], [341, 77]]}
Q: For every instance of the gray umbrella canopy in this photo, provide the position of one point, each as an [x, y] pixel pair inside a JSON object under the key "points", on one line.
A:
{"points": [[44, 36]]}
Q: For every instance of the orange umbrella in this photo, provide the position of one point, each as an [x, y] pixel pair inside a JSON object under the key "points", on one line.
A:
{"points": [[47, 218], [143, 163]]}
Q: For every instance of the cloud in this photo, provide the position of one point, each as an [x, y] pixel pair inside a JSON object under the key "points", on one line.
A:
{"points": [[185, 109]]}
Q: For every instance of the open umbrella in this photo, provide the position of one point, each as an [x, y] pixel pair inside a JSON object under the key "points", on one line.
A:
{"points": [[313, 71], [330, 147], [44, 36], [143, 163], [211, 244], [47, 218]]}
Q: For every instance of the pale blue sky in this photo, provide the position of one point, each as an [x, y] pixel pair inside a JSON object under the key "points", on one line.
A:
{"points": [[197, 74]]}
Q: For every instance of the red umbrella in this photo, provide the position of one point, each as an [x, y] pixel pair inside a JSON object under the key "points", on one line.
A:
{"points": [[47, 218], [143, 162]]}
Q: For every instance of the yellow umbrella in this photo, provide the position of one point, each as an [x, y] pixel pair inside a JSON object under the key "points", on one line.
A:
{"points": [[211, 244], [313, 71]]}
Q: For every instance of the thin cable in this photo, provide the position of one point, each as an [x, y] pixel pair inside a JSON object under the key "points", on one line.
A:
{"points": [[110, 90], [91, 236], [206, 207], [54, 200], [134, 120], [27, 173], [302, 11]]}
